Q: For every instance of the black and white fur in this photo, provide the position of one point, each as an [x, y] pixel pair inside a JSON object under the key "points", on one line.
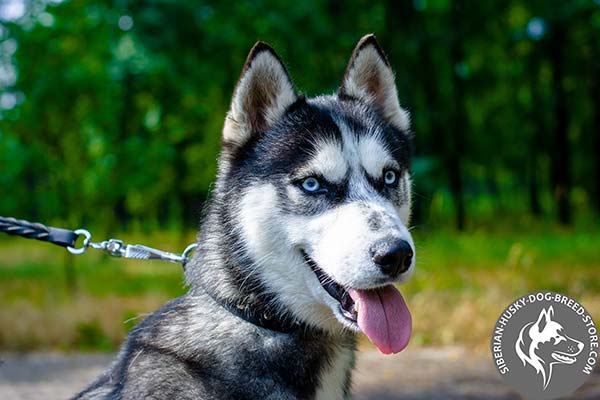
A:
{"points": [[261, 230]]}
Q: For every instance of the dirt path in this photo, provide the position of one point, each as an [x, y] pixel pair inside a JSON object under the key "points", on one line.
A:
{"points": [[416, 374]]}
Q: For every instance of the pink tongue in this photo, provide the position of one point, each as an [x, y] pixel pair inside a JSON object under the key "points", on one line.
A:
{"points": [[384, 317]]}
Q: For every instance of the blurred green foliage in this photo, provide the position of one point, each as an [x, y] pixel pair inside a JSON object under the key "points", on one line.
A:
{"points": [[111, 111]]}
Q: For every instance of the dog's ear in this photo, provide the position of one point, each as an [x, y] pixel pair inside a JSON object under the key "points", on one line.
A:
{"points": [[543, 319], [262, 94], [370, 78]]}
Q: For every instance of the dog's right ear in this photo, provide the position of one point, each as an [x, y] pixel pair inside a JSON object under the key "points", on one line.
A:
{"points": [[544, 318], [261, 96]]}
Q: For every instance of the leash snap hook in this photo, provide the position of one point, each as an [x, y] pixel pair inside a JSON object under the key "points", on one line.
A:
{"points": [[114, 247]]}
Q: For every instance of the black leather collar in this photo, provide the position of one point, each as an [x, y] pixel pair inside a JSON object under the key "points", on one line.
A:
{"points": [[258, 313], [254, 314]]}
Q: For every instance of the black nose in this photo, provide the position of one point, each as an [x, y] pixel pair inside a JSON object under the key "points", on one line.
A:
{"points": [[392, 256]]}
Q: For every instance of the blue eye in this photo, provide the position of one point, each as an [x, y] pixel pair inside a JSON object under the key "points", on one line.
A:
{"points": [[311, 184], [390, 177]]}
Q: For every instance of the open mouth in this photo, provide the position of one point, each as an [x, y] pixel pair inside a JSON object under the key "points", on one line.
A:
{"points": [[347, 305], [380, 313], [563, 358]]}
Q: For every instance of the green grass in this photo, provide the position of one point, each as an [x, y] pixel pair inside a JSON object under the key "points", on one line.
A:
{"points": [[462, 283], [448, 261], [52, 299]]}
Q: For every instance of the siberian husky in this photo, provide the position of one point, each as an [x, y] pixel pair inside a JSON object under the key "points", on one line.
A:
{"points": [[299, 250], [544, 343]]}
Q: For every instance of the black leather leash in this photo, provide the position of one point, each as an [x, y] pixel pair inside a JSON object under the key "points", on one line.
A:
{"points": [[37, 231], [68, 238]]}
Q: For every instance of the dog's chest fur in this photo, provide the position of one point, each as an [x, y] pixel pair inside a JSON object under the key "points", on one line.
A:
{"points": [[200, 350], [334, 381]]}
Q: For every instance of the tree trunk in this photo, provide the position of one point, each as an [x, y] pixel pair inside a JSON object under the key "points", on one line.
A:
{"points": [[536, 139], [125, 116], [457, 134], [399, 16], [595, 128], [561, 152], [534, 199], [435, 132]]}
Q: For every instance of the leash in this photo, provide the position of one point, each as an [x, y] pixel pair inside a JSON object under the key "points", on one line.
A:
{"points": [[68, 238]]}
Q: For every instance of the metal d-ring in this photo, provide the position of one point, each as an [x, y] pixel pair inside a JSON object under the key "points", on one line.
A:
{"points": [[86, 242]]}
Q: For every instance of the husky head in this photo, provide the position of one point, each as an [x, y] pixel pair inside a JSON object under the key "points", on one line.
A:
{"points": [[544, 343], [313, 198]]}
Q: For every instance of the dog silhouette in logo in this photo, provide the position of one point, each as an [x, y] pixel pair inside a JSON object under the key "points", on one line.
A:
{"points": [[544, 343]]}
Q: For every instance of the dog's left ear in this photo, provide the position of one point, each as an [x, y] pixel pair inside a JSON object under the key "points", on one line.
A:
{"points": [[370, 78], [261, 97]]}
